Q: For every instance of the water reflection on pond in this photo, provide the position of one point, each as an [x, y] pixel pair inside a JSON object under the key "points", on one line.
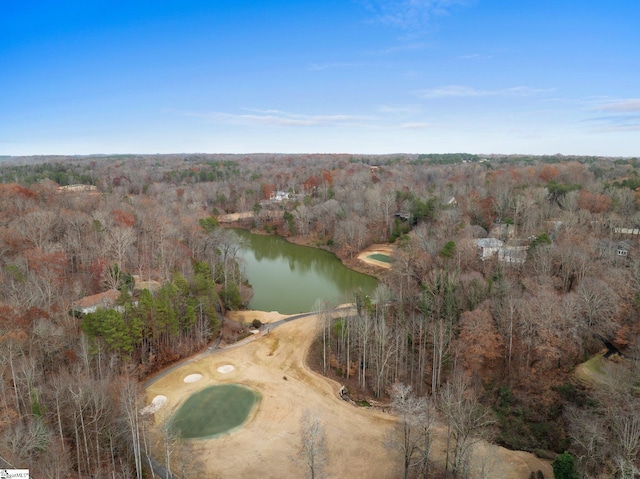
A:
{"points": [[289, 278]]}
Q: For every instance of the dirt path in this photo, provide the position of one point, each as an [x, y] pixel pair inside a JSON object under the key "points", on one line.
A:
{"points": [[266, 445]]}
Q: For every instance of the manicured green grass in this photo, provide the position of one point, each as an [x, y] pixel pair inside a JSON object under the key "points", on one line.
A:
{"points": [[380, 257], [214, 410]]}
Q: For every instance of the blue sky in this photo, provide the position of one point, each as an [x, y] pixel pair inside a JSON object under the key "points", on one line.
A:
{"points": [[339, 76]]}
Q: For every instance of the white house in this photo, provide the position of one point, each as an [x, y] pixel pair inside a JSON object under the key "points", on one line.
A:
{"points": [[90, 304], [627, 231], [488, 247], [513, 254], [451, 201], [614, 249], [279, 196]]}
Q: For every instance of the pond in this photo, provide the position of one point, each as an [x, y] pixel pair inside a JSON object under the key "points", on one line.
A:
{"points": [[289, 278]]}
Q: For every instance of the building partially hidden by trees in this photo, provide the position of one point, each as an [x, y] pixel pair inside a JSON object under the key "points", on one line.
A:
{"points": [[490, 318]]}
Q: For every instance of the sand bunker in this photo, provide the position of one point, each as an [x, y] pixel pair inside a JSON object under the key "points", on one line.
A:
{"points": [[192, 378], [226, 369], [261, 365], [155, 405]]}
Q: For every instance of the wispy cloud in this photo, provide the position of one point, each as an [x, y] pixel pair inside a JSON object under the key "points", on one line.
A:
{"points": [[407, 47], [475, 56], [416, 125], [333, 65], [625, 116], [622, 128], [255, 117], [402, 109], [453, 91], [450, 91], [410, 14], [631, 105], [613, 123]]}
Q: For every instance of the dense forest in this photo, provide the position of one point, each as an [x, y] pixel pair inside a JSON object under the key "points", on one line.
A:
{"points": [[510, 276]]}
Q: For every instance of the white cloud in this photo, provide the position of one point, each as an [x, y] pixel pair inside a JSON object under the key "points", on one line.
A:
{"points": [[524, 91], [622, 122], [631, 105], [328, 66], [416, 125], [410, 14], [475, 56], [401, 48], [410, 109], [256, 117], [450, 91], [609, 129], [623, 115]]}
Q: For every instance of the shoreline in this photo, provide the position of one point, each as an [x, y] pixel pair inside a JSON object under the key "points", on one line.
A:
{"points": [[357, 263]]}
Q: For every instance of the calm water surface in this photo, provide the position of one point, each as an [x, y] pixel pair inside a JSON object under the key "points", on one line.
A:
{"points": [[289, 278]]}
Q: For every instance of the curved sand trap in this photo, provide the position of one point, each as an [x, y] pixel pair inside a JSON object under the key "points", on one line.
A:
{"points": [[156, 404], [192, 378], [225, 369]]}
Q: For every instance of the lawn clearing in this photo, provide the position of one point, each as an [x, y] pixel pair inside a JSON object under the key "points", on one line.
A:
{"points": [[380, 257], [593, 370], [214, 410], [377, 255], [262, 447]]}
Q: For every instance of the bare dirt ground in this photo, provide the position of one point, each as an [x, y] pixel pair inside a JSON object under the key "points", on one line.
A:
{"points": [[385, 249], [267, 445], [233, 217]]}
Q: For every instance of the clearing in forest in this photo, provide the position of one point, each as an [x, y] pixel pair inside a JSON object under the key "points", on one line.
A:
{"points": [[380, 257], [377, 255], [263, 447], [214, 410]]}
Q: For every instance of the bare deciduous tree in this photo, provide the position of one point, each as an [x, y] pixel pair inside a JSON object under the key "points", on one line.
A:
{"points": [[468, 422], [320, 308], [313, 446], [413, 436], [118, 241]]}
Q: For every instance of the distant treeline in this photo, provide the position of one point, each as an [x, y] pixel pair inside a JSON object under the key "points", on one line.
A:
{"points": [[62, 174], [200, 167]]}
